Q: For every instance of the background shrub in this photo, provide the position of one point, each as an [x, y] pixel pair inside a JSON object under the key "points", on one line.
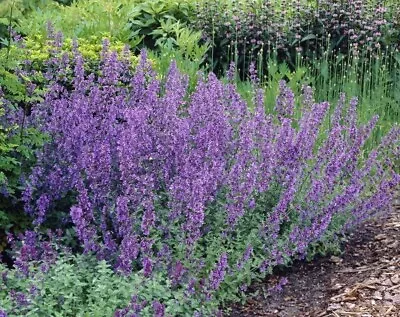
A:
{"points": [[137, 23], [247, 32]]}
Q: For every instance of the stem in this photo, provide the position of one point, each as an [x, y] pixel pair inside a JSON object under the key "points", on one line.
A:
{"points": [[9, 30], [21, 133]]}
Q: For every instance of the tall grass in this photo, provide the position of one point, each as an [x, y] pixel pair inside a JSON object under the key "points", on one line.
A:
{"points": [[375, 81]]}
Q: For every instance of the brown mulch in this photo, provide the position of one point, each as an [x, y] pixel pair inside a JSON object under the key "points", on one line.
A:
{"points": [[363, 282]]}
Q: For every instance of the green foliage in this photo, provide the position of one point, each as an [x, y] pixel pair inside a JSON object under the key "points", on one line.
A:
{"points": [[17, 142], [158, 20], [17, 154], [184, 49], [81, 286], [13, 10], [130, 22], [82, 19]]}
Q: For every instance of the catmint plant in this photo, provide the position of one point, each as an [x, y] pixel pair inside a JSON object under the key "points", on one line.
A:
{"points": [[155, 179]]}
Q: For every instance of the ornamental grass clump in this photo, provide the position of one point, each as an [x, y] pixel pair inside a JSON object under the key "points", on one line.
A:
{"points": [[197, 186]]}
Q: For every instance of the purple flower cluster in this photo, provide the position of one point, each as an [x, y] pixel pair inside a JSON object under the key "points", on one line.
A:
{"points": [[246, 257], [217, 275], [32, 247], [136, 306], [279, 286], [142, 160], [133, 309]]}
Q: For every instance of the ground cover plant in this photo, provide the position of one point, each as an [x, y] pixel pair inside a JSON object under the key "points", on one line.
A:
{"points": [[191, 193]]}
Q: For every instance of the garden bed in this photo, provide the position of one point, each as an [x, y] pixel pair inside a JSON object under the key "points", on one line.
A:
{"points": [[159, 158]]}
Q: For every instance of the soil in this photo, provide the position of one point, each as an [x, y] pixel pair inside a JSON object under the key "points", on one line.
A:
{"points": [[363, 282]]}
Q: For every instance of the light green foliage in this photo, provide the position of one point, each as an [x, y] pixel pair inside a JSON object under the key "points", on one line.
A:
{"points": [[13, 10], [37, 48], [81, 19], [7, 147], [81, 286], [184, 49]]}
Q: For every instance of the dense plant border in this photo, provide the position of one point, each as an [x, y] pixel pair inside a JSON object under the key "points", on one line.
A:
{"points": [[194, 186]]}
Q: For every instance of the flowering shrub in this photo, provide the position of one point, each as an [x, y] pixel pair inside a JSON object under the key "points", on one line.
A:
{"points": [[195, 185], [22, 66], [18, 144]]}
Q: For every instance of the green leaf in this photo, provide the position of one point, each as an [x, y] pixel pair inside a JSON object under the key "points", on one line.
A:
{"points": [[308, 37]]}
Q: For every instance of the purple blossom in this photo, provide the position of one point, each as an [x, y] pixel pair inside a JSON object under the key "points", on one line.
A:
{"points": [[279, 286], [285, 101], [218, 274], [129, 252], [147, 266], [191, 287], [133, 309], [20, 298], [246, 256], [177, 272], [159, 309]]}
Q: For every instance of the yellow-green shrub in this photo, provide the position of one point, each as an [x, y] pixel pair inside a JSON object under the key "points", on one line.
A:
{"points": [[37, 49]]}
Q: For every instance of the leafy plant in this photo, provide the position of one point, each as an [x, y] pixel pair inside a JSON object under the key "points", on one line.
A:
{"points": [[159, 20], [83, 286], [13, 10], [95, 18], [129, 22], [18, 142]]}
